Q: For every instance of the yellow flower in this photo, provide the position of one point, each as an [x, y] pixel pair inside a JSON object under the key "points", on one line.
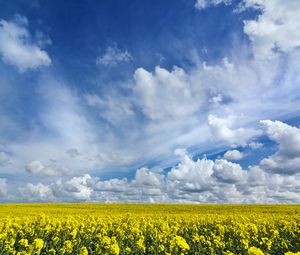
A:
{"points": [[67, 247], [161, 247], [228, 253], [73, 233], [245, 242], [83, 251], [159, 229], [55, 240], [180, 241], [37, 244], [140, 244], [255, 251], [52, 251], [24, 243], [115, 249]]}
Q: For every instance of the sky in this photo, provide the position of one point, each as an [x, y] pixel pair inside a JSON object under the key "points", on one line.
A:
{"points": [[174, 101]]}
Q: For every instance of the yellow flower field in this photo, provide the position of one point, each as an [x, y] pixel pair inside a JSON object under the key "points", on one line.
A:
{"points": [[149, 229]]}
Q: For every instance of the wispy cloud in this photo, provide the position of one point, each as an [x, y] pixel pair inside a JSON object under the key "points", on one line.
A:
{"points": [[203, 4], [17, 46], [113, 56]]}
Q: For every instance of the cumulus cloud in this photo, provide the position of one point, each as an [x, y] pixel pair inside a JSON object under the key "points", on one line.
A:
{"points": [[18, 48], [287, 159], [146, 186], [160, 93], [191, 175], [277, 28], [190, 181], [203, 4], [144, 177], [204, 181], [76, 188], [36, 192], [257, 177], [114, 56], [221, 128], [274, 31], [37, 168], [233, 155], [228, 182], [228, 172]]}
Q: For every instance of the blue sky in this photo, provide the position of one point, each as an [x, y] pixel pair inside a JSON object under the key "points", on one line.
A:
{"points": [[161, 101]]}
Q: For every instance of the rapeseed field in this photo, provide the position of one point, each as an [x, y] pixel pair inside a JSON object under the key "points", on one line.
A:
{"points": [[149, 229]]}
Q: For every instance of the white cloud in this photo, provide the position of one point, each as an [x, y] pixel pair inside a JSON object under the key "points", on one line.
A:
{"points": [[146, 178], [277, 28], [18, 48], [3, 188], [191, 176], [221, 128], [114, 109], [73, 152], [203, 4], [255, 145], [111, 185], [218, 99], [114, 56], [160, 93], [70, 122], [4, 158], [76, 188], [287, 159], [222, 181], [57, 131], [38, 169], [219, 181], [114, 158], [146, 186], [257, 177], [228, 172], [36, 192], [200, 181], [288, 137], [233, 155]]}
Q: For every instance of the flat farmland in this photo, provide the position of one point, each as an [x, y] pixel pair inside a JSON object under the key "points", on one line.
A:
{"points": [[149, 229]]}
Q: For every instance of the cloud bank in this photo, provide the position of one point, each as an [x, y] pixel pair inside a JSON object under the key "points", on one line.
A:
{"points": [[190, 181]]}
